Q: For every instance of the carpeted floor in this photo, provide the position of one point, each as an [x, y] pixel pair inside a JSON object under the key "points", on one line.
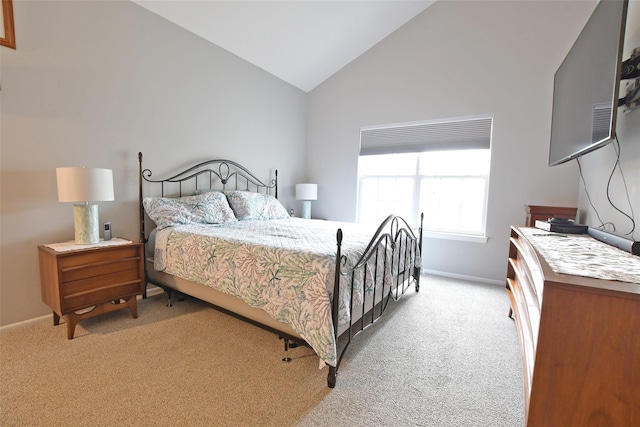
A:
{"points": [[447, 356]]}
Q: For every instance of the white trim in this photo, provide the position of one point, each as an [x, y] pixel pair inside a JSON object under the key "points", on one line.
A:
{"points": [[463, 277], [28, 322], [452, 236], [151, 291], [422, 122]]}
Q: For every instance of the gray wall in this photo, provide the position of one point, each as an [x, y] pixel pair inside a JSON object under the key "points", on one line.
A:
{"points": [[458, 58], [93, 83], [598, 165]]}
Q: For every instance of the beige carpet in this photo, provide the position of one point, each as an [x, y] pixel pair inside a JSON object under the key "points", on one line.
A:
{"points": [[448, 356]]}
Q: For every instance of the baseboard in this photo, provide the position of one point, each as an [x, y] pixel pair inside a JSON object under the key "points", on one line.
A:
{"points": [[464, 277], [24, 323], [151, 291]]}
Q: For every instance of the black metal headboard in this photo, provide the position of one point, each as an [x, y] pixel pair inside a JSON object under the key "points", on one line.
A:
{"points": [[210, 174]]}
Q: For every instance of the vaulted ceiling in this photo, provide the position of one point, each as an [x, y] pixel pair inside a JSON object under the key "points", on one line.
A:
{"points": [[303, 42]]}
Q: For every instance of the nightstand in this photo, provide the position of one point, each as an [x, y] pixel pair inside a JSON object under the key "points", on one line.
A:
{"points": [[85, 282]]}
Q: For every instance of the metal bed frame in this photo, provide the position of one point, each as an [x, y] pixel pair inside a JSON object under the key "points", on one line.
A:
{"points": [[394, 240]]}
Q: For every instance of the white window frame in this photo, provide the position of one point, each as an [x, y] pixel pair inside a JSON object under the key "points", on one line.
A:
{"points": [[473, 134]]}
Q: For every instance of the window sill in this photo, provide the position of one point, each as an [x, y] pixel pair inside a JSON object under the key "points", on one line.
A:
{"points": [[451, 236]]}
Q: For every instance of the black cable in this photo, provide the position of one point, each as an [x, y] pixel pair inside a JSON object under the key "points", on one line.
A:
{"points": [[584, 185], [616, 148]]}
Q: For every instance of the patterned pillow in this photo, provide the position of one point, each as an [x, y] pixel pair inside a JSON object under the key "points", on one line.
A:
{"points": [[248, 205], [206, 208]]}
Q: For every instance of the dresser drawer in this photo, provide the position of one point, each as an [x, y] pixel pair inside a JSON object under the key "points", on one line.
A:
{"points": [[97, 269], [99, 276], [111, 288], [96, 257]]}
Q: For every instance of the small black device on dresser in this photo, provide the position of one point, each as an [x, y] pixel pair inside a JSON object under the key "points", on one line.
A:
{"points": [[107, 231], [562, 225]]}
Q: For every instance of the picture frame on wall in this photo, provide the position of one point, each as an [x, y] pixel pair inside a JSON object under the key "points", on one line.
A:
{"points": [[7, 32]]}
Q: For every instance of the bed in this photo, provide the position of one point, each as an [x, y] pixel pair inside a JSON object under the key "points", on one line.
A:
{"points": [[216, 232]]}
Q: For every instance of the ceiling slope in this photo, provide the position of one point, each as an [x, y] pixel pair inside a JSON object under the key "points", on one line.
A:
{"points": [[302, 42]]}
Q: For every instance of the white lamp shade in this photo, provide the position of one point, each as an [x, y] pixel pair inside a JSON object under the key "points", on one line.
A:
{"points": [[84, 184], [306, 191]]}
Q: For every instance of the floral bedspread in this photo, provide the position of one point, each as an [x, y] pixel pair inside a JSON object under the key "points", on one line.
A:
{"points": [[284, 266]]}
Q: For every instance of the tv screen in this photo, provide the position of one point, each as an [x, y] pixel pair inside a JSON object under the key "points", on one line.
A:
{"points": [[586, 86]]}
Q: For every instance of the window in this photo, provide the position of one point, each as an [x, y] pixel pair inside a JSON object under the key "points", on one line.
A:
{"points": [[447, 180]]}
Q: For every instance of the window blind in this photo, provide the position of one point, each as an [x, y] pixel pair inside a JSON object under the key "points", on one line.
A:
{"points": [[438, 135]]}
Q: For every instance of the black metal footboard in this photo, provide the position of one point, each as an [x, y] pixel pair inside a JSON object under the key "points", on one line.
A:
{"points": [[388, 267]]}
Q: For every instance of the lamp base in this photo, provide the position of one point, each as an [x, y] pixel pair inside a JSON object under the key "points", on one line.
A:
{"points": [[85, 222], [306, 209]]}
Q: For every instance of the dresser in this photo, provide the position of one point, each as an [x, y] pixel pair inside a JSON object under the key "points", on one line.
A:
{"points": [[579, 339], [86, 282]]}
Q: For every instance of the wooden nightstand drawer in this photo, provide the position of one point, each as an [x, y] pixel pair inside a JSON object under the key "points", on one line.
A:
{"points": [[96, 257], [94, 290], [97, 269]]}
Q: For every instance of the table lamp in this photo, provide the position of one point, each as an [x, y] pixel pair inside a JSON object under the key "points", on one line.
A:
{"points": [[81, 186], [306, 193]]}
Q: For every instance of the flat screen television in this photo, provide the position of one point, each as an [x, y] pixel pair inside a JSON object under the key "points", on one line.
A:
{"points": [[587, 84]]}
